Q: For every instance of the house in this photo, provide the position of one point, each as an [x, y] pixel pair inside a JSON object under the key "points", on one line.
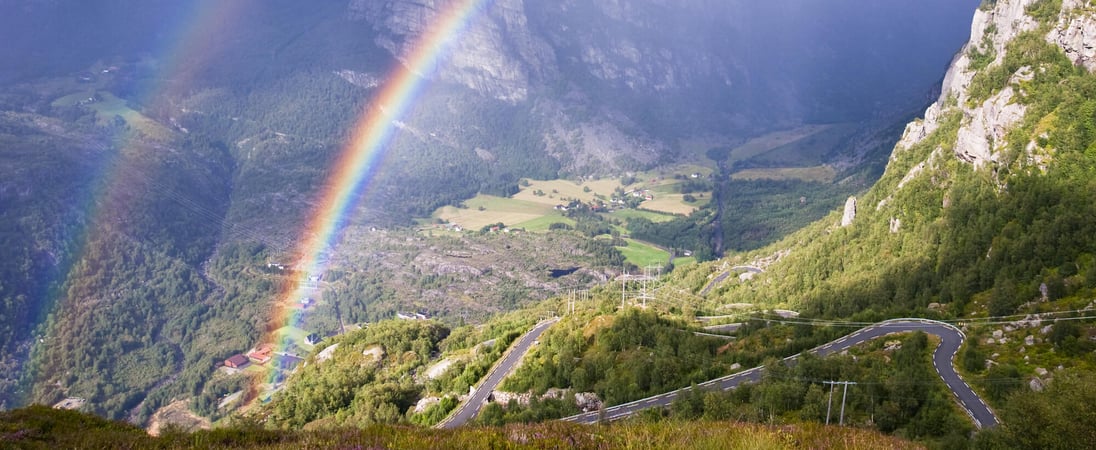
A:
{"points": [[262, 354], [237, 361], [315, 278], [307, 301], [411, 316], [313, 339]]}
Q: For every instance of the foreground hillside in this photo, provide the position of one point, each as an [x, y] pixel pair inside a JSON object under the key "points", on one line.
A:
{"points": [[41, 427]]}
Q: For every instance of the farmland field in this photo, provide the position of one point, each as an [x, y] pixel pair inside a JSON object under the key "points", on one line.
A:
{"points": [[765, 143], [822, 174], [509, 211], [542, 223], [643, 255], [555, 191], [627, 214], [809, 149], [676, 204], [533, 207], [107, 107]]}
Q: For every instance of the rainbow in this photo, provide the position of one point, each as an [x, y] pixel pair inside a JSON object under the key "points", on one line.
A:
{"points": [[359, 160], [188, 46]]}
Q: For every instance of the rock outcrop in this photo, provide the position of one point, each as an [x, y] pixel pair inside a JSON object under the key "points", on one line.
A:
{"points": [[1076, 34], [984, 126], [850, 212], [497, 54]]}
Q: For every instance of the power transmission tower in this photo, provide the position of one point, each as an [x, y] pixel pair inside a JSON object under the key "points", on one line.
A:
{"points": [[644, 294], [844, 394]]}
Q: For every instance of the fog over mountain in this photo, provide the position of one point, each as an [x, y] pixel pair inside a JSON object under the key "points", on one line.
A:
{"points": [[749, 63]]}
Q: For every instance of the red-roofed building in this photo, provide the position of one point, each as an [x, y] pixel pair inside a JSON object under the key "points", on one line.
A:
{"points": [[262, 354], [237, 361]]}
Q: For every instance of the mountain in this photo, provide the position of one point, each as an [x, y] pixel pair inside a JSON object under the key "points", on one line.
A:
{"points": [[982, 218], [159, 159], [989, 187]]}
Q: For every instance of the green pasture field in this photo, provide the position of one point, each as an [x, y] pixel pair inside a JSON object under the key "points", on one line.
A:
{"points": [[643, 255], [809, 149], [109, 106], [627, 214], [537, 212], [542, 223], [509, 211], [684, 261], [769, 142], [821, 174]]}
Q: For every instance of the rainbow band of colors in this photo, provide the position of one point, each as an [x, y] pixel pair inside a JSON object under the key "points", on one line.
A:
{"points": [[359, 160]]}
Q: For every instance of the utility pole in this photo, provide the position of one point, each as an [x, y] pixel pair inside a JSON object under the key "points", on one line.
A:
{"points": [[829, 404], [844, 395], [623, 280]]}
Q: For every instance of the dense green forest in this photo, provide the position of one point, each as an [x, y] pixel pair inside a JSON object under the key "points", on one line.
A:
{"points": [[754, 214], [39, 231]]}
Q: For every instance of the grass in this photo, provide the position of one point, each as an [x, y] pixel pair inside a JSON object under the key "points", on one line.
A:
{"points": [[676, 204], [542, 223], [108, 106], [297, 335], [555, 191], [768, 142], [510, 211], [809, 148], [628, 214], [642, 254], [40, 427], [534, 212], [697, 148], [821, 174], [684, 261]]}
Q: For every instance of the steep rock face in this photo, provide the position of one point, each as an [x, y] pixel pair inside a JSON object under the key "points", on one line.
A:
{"points": [[497, 54], [984, 125], [775, 61], [632, 48], [1076, 34]]}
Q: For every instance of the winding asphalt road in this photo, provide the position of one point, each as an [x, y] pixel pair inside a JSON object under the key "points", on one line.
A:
{"points": [[468, 410], [950, 340], [715, 281]]}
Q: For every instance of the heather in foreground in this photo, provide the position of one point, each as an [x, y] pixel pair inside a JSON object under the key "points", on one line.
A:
{"points": [[41, 427]]}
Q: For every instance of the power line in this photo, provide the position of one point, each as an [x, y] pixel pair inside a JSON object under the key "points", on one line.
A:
{"points": [[957, 322]]}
